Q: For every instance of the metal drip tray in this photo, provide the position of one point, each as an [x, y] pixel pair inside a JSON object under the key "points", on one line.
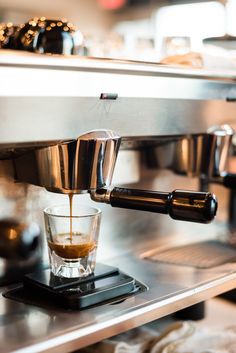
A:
{"points": [[205, 254]]}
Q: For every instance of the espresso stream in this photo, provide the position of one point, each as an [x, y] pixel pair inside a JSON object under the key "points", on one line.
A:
{"points": [[71, 212], [72, 245]]}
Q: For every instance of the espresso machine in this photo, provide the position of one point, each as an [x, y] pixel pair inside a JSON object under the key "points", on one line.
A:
{"points": [[86, 164], [121, 134]]}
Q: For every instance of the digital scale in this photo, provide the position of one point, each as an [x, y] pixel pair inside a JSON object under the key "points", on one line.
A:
{"points": [[106, 285]]}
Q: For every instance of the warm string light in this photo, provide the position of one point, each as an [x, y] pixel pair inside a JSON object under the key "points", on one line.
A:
{"points": [[43, 23], [6, 31], [24, 36]]}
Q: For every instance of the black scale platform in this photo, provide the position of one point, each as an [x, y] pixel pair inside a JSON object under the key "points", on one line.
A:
{"points": [[106, 285]]}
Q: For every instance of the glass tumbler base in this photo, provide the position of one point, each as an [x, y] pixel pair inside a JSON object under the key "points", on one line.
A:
{"points": [[70, 268]]}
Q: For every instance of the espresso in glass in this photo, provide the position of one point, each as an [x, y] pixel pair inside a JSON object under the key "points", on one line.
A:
{"points": [[72, 235]]}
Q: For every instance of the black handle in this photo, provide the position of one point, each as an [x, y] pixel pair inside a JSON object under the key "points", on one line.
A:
{"points": [[192, 206], [180, 204], [229, 181]]}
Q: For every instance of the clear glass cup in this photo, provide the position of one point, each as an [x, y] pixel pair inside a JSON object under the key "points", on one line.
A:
{"points": [[72, 240]]}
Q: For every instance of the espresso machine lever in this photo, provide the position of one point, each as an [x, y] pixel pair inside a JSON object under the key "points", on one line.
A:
{"points": [[181, 205]]}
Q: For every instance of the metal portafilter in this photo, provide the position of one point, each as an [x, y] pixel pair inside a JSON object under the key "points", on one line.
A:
{"points": [[86, 165], [73, 166], [223, 135], [206, 156], [181, 205]]}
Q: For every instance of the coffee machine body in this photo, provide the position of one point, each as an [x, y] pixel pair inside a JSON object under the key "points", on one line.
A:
{"points": [[161, 118]]}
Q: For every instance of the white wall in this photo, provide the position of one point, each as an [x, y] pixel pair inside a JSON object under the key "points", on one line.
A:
{"points": [[86, 14]]}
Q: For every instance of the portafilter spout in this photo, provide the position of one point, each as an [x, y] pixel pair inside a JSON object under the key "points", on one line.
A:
{"points": [[72, 166]]}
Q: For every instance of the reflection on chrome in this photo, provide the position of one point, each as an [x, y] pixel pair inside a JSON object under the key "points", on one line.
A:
{"points": [[71, 166]]}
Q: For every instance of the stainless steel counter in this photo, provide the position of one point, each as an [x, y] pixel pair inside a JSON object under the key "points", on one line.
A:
{"points": [[29, 329]]}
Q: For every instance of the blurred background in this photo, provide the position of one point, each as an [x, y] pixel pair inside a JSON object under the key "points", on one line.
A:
{"points": [[133, 29]]}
